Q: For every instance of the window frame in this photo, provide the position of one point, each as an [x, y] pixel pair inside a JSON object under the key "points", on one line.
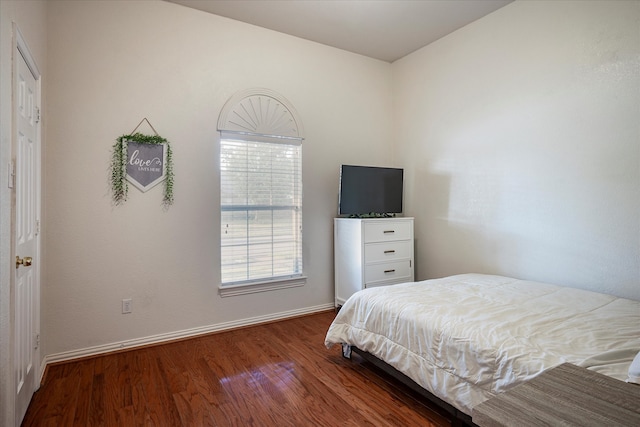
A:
{"points": [[241, 287], [262, 115]]}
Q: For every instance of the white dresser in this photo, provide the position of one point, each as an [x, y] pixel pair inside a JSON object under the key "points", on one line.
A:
{"points": [[371, 252]]}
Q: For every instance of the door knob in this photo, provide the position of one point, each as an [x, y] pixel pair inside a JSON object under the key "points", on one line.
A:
{"points": [[26, 261]]}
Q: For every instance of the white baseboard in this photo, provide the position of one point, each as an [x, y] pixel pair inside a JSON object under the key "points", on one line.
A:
{"points": [[171, 336]]}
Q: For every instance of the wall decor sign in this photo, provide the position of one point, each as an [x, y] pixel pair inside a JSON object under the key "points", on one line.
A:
{"points": [[144, 161], [145, 164]]}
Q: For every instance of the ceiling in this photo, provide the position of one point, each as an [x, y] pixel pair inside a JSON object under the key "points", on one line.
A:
{"points": [[381, 29]]}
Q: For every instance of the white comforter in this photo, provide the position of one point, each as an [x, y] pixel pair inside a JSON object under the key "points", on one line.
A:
{"points": [[466, 338]]}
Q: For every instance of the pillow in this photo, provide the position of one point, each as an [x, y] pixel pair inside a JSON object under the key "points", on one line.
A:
{"points": [[634, 370]]}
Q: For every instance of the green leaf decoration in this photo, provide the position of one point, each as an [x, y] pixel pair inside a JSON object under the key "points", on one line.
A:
{"points": [[119, 184]]}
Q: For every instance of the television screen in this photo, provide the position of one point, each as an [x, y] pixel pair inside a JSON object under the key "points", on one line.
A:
{"points": [[370, 190]]}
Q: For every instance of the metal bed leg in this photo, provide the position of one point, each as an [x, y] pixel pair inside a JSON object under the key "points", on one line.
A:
{"points": [[346, 351]]}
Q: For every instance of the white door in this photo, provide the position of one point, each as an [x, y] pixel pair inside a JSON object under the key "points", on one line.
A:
{"points": [[26, 223]]}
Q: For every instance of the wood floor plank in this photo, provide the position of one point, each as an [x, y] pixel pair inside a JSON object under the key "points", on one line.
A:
{"points": [[277, 374], [83, 392]]}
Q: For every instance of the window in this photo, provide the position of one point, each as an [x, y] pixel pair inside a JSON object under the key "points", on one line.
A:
{"points": [[261, 210], [260, 197]]}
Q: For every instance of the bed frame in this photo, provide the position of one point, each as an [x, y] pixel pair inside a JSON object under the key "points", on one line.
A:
{"points": [[458, 418]]}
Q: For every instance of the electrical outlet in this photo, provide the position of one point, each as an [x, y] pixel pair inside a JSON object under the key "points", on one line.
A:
{"points": [[126, 306]]}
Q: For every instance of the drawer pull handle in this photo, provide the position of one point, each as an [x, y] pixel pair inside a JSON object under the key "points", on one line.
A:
{"points": [[389, 231], [389, 271], [391, 251]]}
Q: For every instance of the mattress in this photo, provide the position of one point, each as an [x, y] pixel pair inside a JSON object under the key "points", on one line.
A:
{"points": [[469, 337]]}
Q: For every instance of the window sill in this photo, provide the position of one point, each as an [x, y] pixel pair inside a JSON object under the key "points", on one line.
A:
{"points": [[255, 287]]}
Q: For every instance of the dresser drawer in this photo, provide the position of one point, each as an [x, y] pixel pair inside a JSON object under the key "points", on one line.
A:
{"points": [[396, 271], [381, 231], [387, 251]]}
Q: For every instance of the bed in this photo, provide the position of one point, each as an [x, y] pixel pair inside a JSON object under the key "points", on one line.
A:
{"points": [[467, 338]]}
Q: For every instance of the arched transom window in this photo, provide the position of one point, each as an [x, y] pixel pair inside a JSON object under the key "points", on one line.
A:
{"points": [[260, 193]]}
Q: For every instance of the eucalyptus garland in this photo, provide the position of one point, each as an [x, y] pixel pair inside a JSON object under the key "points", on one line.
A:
{"points": [[119, 185]]}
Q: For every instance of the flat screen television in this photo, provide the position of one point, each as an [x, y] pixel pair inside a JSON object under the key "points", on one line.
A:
{"points": [[368, 190]]}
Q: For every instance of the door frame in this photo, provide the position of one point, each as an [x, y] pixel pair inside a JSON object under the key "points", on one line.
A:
{"points": [[20, 48]]}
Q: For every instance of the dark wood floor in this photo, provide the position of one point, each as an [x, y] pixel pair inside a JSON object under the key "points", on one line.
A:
{"points": [[278, 374]]}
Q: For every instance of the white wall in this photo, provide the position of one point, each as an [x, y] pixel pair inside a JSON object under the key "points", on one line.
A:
{"points": [[113, 63], [30, 18], [521, 138]]}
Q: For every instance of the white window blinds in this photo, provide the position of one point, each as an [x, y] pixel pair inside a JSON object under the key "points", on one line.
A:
{"points": [[261, 208]]}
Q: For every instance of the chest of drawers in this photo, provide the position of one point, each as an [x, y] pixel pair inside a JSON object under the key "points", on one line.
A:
{"points": [[371, 252]]}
